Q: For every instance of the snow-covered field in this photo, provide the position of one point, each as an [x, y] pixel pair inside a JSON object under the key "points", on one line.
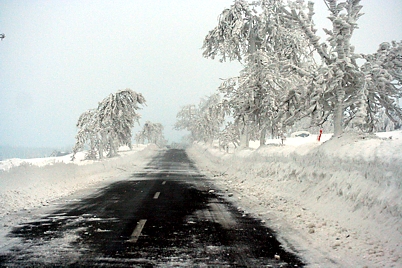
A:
{"points": [[338, 202]]}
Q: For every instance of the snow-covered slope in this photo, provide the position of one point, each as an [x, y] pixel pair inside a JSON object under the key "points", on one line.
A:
{"points": [[338, 202]]}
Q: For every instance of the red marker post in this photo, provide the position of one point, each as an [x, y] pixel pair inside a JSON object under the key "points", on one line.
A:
{"points": [[319, 136]]}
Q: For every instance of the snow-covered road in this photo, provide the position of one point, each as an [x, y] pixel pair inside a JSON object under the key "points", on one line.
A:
{"points": [[166, 215]]}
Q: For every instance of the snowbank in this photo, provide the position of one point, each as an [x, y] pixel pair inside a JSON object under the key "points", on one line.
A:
{"points": [[29, 183], [338, 202], [45, 161]]}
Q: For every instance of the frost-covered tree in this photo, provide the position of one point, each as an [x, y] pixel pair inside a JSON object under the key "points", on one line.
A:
{"points": [[210, 118], [229, 135], [109, 126], [117, 115], [340, 87], [384, 123], [267, 91], [152, 132], [282, 80], [274, 51], [203, 121], [235, 37], [89, 132], [383, 86], [185, 119]]}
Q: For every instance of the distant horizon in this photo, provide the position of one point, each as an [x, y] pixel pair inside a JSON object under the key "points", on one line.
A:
{"points": [[23, 152]]}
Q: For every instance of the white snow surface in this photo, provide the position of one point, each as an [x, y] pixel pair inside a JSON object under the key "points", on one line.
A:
{"points": [[337, 202], [26, 184]]}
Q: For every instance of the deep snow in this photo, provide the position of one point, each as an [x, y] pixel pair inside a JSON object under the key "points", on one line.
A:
{"points": [[337, 202]]}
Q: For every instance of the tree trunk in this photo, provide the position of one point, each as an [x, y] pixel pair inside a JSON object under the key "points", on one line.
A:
{"points": [[263, 135], [244, 134], [130, 145], [338, 113], [100, 151], [112, 147], [244, 143]]}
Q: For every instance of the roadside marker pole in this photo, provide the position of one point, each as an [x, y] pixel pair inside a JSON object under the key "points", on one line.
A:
{"points": [[319, 136]]}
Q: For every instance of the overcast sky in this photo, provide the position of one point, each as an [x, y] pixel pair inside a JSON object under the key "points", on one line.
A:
{"points": [[60, 58]]}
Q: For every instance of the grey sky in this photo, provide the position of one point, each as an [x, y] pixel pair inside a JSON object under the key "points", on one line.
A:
{"points": [[59, 58]]}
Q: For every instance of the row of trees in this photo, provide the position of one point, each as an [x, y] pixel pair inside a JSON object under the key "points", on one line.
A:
{"points": [[203, 121], [152, 133], [289, 74], [109, 126]]}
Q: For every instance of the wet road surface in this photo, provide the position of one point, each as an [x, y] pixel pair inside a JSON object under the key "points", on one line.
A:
{"points": [[166, 216]]}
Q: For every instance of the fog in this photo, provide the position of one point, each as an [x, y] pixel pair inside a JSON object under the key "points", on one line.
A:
{"points": [[60, 58]]}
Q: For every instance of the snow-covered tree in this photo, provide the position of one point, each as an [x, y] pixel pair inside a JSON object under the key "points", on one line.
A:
{"points": [[383, 122], [229, 135], [203, 121], [286, 79], [117, 115], [89, 132], [273, 49], [383, 88], [267, 92], [185, 119], [340, 87], [235, 37], [109, 126], [211, 116], [152, 132]]}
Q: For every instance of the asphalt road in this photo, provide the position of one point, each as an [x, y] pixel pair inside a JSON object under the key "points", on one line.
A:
{"points": [[166, 216]]}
